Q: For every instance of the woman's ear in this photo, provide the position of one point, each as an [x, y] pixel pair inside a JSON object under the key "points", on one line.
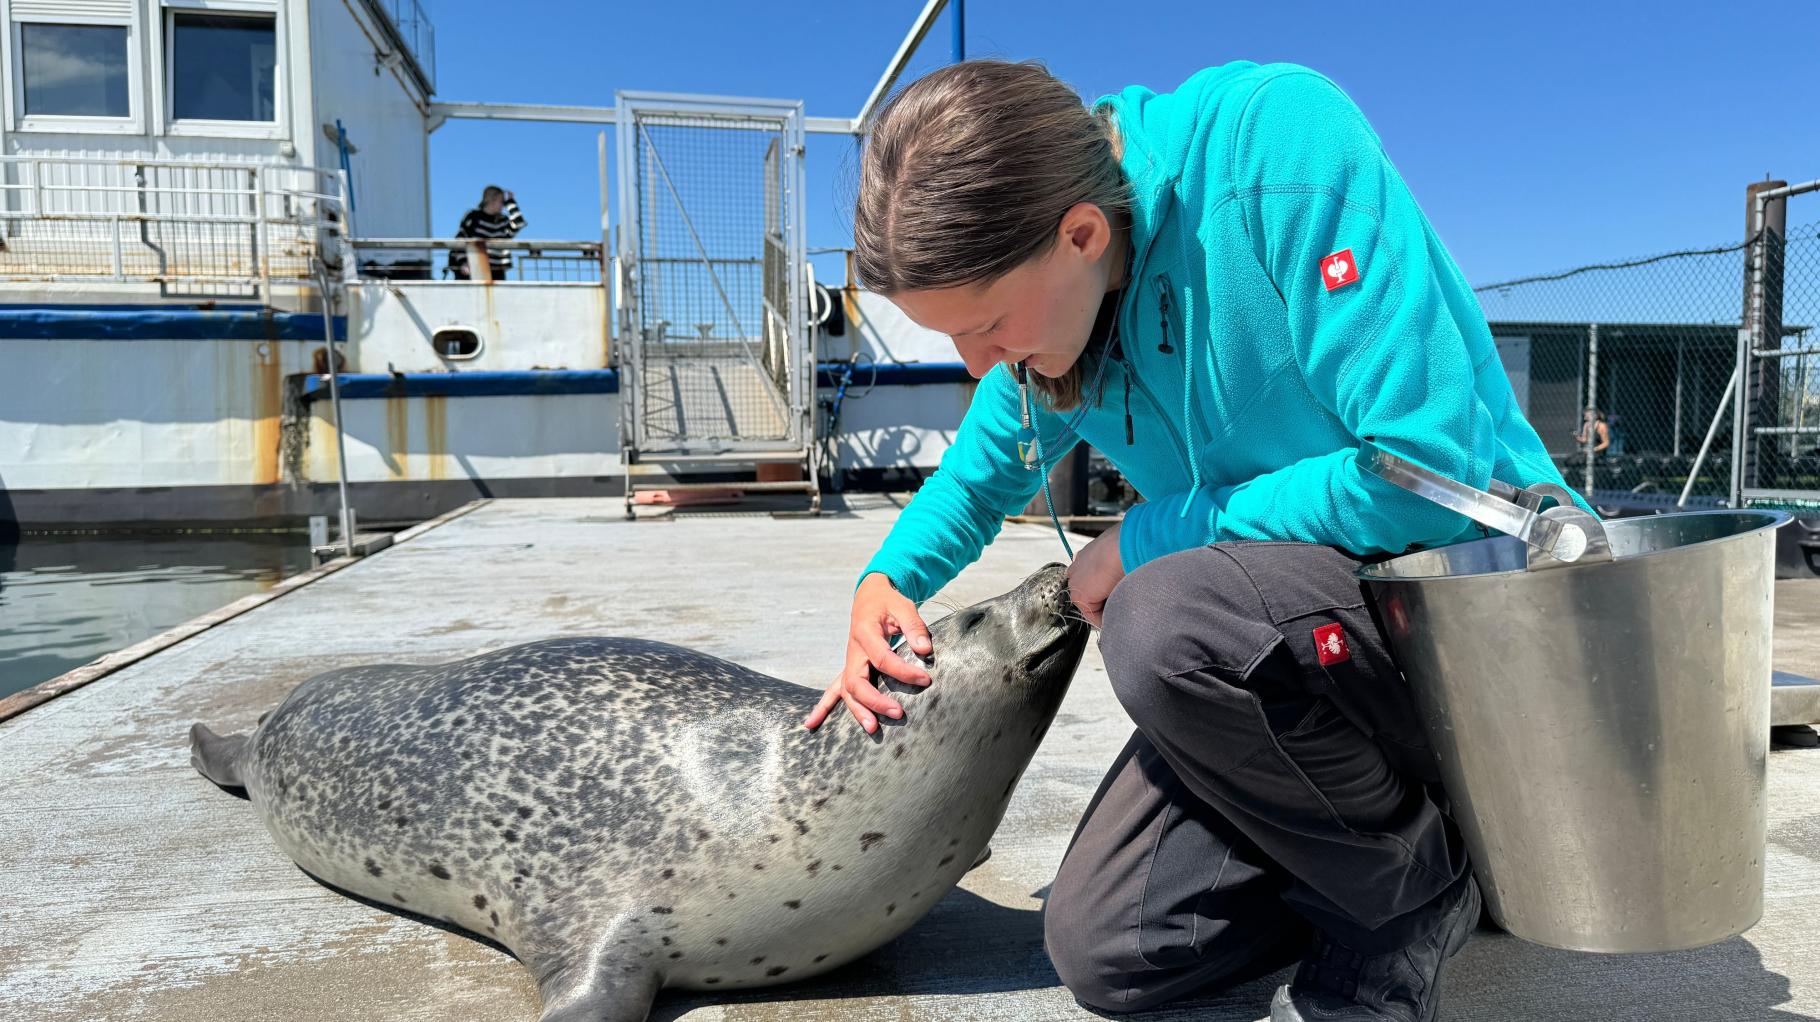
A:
{"points": [[1085, 230]]}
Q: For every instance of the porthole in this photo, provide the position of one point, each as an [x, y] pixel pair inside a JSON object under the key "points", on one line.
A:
{"points": [[456, 343]]}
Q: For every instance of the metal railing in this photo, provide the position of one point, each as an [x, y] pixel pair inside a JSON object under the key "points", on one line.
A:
{"points": [[531, 261], [194, 228], [416, 32], [197, 229]]}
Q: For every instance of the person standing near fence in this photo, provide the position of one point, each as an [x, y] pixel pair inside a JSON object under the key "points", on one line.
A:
{"points": [[497, 217], [1593, 430], [1229, 292]]}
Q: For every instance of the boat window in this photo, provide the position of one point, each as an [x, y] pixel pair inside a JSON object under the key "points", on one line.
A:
{"points": [[223, 67], [74, 70], [458, 343]]}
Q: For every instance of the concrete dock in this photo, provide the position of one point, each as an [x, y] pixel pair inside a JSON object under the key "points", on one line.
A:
{"points": [[131, 889]]}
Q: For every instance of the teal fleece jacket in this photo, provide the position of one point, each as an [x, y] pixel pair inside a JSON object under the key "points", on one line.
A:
{"points": [[1254, 381]]}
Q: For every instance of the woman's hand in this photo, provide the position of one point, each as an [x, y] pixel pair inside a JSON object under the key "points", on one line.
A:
{"points": [[879, 611], [1094, 573]]}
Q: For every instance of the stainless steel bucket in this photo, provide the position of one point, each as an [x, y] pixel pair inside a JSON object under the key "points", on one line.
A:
{"points": [[1597, 696]]}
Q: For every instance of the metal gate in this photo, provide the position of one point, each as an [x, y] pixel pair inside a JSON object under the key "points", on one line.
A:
{"points": [[714, 340]]}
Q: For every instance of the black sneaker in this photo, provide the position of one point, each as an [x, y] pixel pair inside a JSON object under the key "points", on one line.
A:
{"points": [[1338, 984], [1793, 736]]}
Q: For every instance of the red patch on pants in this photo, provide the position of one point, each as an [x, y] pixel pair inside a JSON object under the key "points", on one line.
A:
{"points": [[1330, 645]]}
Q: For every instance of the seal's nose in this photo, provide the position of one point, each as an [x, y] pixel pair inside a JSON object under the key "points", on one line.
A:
{"points": [[1048, 588]]}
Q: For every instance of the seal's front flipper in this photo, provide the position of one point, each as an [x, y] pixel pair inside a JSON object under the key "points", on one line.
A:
{"points": [[985, 853], [218, 757], [612, 986]]}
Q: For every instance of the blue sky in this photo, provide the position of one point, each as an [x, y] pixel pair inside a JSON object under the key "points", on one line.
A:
{"points": [[1536, 135]]}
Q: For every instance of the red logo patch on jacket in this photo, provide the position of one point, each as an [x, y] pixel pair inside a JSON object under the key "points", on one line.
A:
{"points": [[1330, 645], [1339, 270]]}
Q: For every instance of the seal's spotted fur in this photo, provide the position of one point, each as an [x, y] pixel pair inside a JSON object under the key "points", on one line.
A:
{"points": [[625, 815]]}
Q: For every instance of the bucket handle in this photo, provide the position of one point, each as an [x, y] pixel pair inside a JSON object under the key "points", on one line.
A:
{"points": [[1562, 535]]}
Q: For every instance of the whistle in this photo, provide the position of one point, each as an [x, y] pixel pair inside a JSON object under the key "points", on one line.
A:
{"points": [[1027, 450]]}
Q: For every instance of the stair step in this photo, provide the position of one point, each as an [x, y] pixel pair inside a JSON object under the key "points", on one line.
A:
{"points": [[719, 458], [797, 486]]}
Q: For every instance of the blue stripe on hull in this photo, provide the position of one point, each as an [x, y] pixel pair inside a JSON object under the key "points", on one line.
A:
{"points": [[355, 386], [161, 323]]}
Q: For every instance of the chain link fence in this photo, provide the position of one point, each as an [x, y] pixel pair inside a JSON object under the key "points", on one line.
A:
{"points": [[1626, 369]]}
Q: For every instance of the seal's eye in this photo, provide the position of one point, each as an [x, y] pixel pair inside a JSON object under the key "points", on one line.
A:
{"points": [[971, 620]]}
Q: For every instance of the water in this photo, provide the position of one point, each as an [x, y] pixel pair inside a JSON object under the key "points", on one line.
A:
{"points": [[66, 600]]}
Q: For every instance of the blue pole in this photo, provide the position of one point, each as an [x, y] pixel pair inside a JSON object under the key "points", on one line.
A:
{"points": [[341, 143], [959, 7]]}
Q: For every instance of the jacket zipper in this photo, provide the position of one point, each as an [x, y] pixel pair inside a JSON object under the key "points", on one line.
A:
{"points": [[1162, 312], [1131, 376], [1163, 300]]}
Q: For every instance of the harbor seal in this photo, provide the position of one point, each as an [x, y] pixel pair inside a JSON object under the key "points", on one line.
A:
{"points": [[625, 815]]}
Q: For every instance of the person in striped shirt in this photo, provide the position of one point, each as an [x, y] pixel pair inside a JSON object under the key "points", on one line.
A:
{"points": [[497, 216]]}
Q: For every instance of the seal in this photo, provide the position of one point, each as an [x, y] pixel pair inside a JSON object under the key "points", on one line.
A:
{"points": [[625, 815]]}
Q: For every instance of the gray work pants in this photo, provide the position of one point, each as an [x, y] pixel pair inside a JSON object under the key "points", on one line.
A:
{"points": [[1277, 780]]}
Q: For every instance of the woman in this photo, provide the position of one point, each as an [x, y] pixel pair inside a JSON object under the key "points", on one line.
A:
{"points": [[1230, 293], [496, 218]]}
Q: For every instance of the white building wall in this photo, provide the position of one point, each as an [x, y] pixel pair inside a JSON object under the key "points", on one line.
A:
{"points": [[385, 119], [328, 51], [151, 133]]}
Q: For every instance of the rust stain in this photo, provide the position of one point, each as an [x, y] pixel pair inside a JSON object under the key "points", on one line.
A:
{"points": [[397, 435], [849, 297], [856, 319], [492, 316], [480, 268], [436, 435], [321, 444], [268, 408]]}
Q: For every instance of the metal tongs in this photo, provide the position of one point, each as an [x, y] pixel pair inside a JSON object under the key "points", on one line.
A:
{"points": [[1561, 535]]}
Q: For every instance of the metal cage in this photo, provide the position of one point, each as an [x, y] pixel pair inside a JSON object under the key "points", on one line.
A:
{"points": [[715, 341]]}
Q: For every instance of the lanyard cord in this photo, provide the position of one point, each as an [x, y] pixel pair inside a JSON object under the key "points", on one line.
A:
{"points": [[1060, 533], [1030, 449], [1030, 443]]}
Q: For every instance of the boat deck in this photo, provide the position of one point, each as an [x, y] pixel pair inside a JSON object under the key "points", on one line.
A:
{"points": [[130, 888]]}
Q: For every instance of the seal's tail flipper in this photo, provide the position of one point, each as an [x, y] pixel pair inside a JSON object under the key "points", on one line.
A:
{"points": [[217, 757]]}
